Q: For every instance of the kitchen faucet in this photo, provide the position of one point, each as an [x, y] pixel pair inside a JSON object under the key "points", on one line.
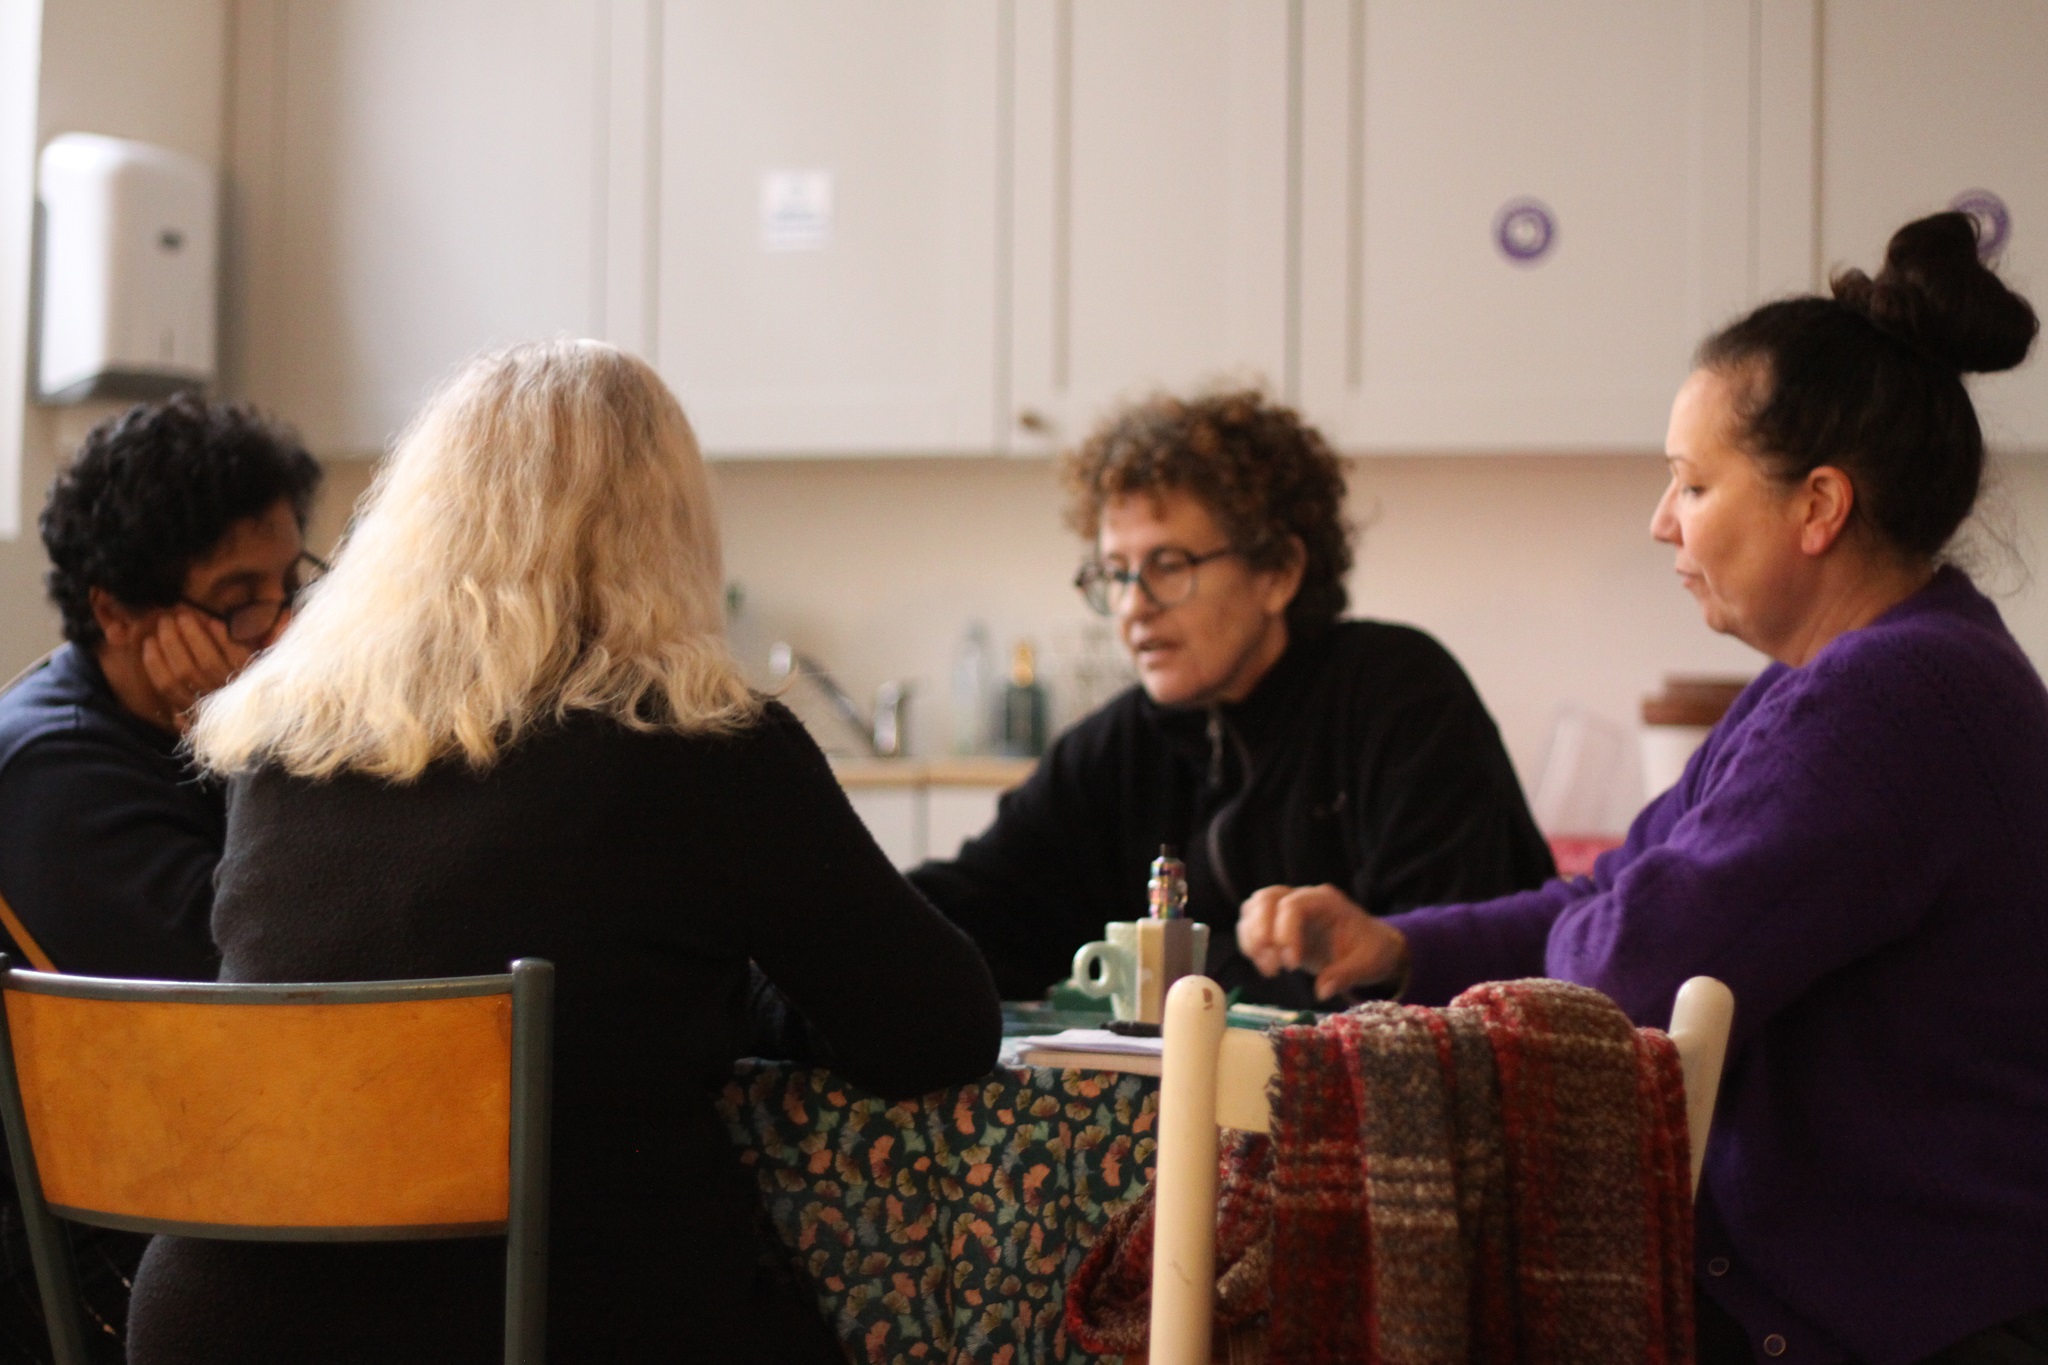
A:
{"points": [[883, 734]]}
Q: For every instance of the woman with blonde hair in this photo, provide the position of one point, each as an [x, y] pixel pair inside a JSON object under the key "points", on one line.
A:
{"points": [[507, 725]]}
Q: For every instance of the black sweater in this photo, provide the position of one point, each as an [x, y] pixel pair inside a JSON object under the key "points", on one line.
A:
{"points": [[650, 869], [1363, 759], [107, 837]]}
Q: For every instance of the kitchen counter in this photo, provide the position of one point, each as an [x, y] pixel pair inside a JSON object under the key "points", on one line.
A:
{"points": [[998, 773]]}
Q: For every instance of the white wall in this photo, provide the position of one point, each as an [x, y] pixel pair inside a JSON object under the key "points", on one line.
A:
{"points": [[1537, 572], [20, 44], [156, 72]]}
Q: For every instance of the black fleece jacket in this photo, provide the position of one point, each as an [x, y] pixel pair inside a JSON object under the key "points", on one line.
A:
{"points": [[1363, 759]]}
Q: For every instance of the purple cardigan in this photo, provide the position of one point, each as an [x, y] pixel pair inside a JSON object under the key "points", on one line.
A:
{"points": [[1860, 850]]}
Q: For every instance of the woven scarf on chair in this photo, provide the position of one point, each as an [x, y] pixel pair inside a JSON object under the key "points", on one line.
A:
{"points": [[1504, 1180]]}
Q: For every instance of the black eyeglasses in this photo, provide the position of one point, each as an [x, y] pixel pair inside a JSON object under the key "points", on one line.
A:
{"points": [[1167, 576], [252, 622]]}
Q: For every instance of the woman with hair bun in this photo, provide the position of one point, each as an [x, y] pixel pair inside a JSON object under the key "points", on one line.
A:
{"points": [[506, 725], [1859, 849]]}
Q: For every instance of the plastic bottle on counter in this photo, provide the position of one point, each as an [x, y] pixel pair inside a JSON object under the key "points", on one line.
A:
{"points": [[974, 669], [1024, 708]]}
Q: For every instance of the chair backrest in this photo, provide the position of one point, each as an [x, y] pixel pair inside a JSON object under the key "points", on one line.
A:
{"points": [[23, 939], [1217, 1076], [16, 930], [352, 1111]]}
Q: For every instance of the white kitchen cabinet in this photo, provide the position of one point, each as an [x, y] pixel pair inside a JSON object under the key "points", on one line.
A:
{"points": [[1922, 107], [828, 189], [894, 816], [956, 226], [953, 814], [412, 183], [927, 808], [1518, 219], [912, 823], [1148, 230]]}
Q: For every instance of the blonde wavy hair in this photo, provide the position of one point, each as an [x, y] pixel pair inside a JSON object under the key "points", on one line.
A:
{"points": [[541, 541]]}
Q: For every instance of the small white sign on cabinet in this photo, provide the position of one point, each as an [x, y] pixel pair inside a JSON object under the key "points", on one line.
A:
{"points": [[796, 210]]}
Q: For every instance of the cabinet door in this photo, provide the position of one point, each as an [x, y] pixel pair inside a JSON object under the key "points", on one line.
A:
{"points": [[1929, 106], [1150, 209], [953, 815], [1519, 218], [895, 818], [412, 183], [828, 234]]}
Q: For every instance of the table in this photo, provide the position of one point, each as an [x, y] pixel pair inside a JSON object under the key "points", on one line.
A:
{"points": [[944, 1229]]}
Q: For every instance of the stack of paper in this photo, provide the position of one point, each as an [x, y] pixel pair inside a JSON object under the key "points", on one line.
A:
{"points": [[1093, 1049]]}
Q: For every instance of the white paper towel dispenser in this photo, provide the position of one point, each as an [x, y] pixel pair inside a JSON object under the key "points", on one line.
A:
{"points": [[130, 244]]}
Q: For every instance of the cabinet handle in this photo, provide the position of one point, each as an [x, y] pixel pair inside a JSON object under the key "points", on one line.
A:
{"points": [[1034, 421]]}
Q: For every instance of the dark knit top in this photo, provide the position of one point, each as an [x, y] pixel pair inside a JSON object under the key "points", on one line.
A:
{"points": [[107, 837], [650, 869], [1364, 758], [1860, 850]]}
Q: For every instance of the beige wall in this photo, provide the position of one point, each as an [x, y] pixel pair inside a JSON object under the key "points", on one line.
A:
{"points": [[155, 71], [1538, 572]]}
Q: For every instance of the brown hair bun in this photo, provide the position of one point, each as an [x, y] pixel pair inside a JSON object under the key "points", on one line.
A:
{"points": [[1936, 294]]}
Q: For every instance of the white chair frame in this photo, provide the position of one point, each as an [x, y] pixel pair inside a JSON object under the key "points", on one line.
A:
{"points": [[1216, 1076]]}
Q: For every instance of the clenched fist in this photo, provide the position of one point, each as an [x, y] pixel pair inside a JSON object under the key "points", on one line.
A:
{"points": [[1318, 929]]}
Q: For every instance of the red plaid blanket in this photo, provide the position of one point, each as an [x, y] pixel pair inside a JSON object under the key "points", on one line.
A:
{"points": [[1503, 1180]]}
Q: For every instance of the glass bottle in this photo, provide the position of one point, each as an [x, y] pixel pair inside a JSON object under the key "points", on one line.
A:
{"points": [[1023, 710], [973, 672]]}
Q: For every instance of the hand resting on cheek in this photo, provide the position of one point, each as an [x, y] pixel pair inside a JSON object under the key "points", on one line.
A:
{"points": [[186, 657]]}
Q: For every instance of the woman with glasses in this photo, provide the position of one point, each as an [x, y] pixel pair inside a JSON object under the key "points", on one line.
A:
{"points": [[1273, 744], [507, 726], [175, 538]]}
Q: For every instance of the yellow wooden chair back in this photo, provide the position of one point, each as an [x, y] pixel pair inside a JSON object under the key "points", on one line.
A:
{"points": [[242, 1120], [353, 1111], [23, 939]]}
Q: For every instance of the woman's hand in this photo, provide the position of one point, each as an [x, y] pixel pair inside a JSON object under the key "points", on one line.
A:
{"points": [[1321, 930]]}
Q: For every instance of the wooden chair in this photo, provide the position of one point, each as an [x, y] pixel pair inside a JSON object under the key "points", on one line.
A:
{"points": [[1216, 1076], [355, 1111], [16, 930], [23, 939]]}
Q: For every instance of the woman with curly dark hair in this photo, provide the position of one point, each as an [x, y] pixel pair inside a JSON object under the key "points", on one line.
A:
{"points": [[1284, 751], [176, 549], [175, 546]]}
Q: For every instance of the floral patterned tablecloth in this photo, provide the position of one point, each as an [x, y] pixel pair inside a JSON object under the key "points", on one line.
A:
{"points": [[944, 1229]]}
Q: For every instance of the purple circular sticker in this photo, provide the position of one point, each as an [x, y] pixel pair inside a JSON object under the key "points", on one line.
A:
{"points": [[1994, 220], [1525, 230]]}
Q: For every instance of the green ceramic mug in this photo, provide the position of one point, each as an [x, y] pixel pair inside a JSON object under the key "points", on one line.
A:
{"points": [[1133, 964]]}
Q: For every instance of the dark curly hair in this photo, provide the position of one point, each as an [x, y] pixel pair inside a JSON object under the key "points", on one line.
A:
{"points": [[1870, 380], [1267, 476], [155, 489]]}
